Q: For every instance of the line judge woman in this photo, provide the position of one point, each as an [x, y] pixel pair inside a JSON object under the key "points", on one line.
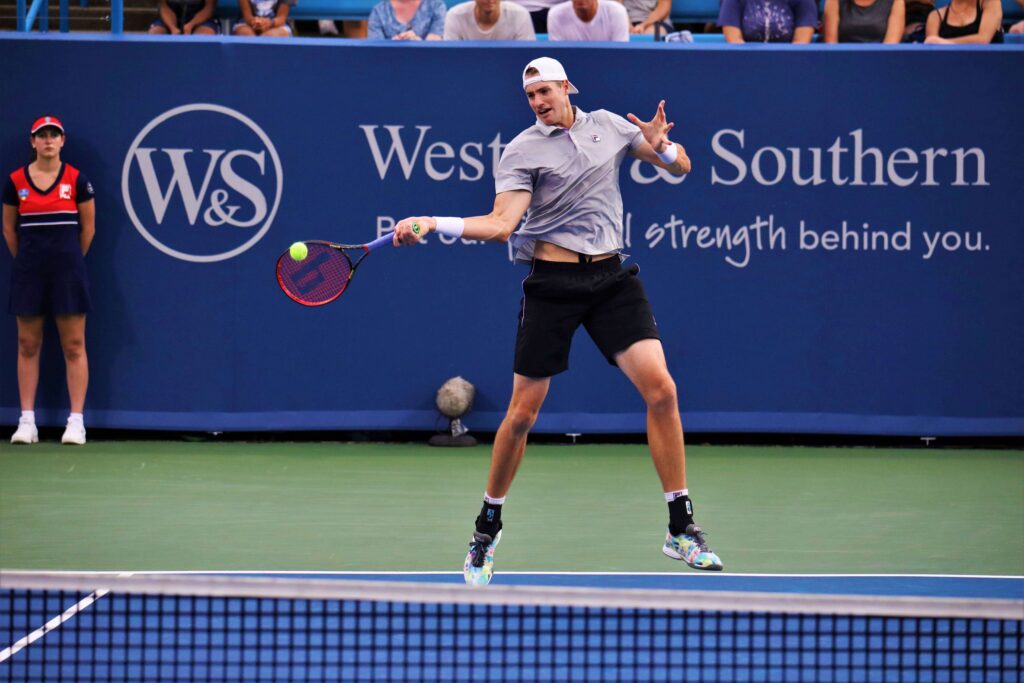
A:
{"points": [[49, 220]]}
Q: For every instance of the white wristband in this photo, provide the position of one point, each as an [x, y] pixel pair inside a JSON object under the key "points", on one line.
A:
{"points": [[670, 153], [450, 226]]}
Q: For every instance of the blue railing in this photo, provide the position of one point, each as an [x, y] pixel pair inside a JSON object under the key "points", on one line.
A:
{"points": [[41, 8]]}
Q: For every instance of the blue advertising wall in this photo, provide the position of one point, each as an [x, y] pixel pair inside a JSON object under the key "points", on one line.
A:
{"points": [[845, 256]]}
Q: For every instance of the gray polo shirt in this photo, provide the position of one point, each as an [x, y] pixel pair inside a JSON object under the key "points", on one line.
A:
{"points": [[574, 177]]}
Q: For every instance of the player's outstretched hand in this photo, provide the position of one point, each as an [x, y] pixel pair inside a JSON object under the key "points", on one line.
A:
{"points": [[411, 230], [656, 130]]}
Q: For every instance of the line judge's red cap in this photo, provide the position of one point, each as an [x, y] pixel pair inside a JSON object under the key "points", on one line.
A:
{"points": [[44, 121]]}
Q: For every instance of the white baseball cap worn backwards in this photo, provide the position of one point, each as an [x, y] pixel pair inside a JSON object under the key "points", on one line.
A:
{"points": [[549, 70]]}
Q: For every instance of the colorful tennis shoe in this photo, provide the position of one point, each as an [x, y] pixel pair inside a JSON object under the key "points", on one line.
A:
{"points": [[691, 548], [479, 564]]}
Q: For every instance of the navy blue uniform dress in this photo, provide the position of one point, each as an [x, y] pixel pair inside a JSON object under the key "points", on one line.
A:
{"points": [[48, 276]]}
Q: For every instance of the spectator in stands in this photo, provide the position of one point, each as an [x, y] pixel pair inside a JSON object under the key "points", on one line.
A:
{"points": [[589, 20], [186, 17], [538, 10], [488, 20], [408, 20], [864, 21], [966, 21], [768, 21], [644, 15], [49, 219], [267, 18], [916, 17], [350, 28]]}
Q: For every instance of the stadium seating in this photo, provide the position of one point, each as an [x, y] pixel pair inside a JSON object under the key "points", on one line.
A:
{"points": [[683, 11], [694, 11], [355, 10]]}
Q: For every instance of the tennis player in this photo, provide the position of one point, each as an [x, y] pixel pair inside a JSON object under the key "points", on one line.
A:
{"points": [[562, 173]]}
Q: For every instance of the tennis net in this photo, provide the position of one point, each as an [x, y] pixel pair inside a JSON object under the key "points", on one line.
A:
{"points": [[89, 627]]}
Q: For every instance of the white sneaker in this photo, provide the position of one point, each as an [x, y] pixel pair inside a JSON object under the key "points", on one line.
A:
{"points": [[74, 434], [26, 432]]}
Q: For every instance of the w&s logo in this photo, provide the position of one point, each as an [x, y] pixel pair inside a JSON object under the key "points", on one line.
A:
{"points": [[202, 182]]}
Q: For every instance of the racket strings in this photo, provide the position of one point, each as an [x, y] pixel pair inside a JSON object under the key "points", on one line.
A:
{"points": [[319, 278]]}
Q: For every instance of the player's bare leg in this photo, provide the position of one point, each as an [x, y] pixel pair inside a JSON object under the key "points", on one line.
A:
{"points": [[644, 364], [509, 445], [528, 396]]}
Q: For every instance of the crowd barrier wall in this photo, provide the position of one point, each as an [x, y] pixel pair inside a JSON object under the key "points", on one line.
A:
{"points": [[844, 257]]}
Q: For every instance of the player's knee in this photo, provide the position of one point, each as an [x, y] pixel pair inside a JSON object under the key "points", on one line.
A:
{"points": [[661, 395], [520, 420]]}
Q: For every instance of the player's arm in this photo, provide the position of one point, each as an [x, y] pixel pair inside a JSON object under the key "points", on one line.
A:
{"points": [[656, 147], [87, 219], [497, 226], [10, 228]]}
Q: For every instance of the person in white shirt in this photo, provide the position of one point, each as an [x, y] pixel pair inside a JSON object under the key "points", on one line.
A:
{"points": [[588, 20], [488, 20]]}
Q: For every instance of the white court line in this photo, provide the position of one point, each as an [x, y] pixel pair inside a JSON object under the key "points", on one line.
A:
{"points": [[54, 623], [355, 572]]}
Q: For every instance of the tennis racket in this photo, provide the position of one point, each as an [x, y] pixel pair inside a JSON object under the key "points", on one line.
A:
{"points": [[324, 274]]}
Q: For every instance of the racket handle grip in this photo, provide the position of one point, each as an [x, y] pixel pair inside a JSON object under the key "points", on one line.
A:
{"points": [[381, 241]]}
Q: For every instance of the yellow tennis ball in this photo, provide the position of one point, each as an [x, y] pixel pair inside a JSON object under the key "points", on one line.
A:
{"points": [[298, 251]]}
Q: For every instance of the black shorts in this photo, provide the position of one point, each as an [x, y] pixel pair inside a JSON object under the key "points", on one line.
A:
{"points": [[607, 299]]}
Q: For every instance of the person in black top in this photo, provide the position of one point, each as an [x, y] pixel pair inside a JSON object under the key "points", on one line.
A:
{"points": [[966, 21]]}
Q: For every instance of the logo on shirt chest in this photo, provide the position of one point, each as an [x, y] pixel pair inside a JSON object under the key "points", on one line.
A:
{"points": [[23, 194], [65, 191], [595, 137]]}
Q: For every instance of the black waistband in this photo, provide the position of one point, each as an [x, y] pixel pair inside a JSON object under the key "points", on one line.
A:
{"points": [[610, 263]]}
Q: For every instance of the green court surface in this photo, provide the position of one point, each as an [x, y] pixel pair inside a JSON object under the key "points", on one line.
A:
{"points": [[379, 507]]}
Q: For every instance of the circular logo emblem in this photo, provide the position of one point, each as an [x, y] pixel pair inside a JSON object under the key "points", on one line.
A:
{"points": [[202, 182]]}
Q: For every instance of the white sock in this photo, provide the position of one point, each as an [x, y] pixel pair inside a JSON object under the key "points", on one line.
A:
{"points": [[75, 417], [493, 501], [28, 416], [672, 495]]}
